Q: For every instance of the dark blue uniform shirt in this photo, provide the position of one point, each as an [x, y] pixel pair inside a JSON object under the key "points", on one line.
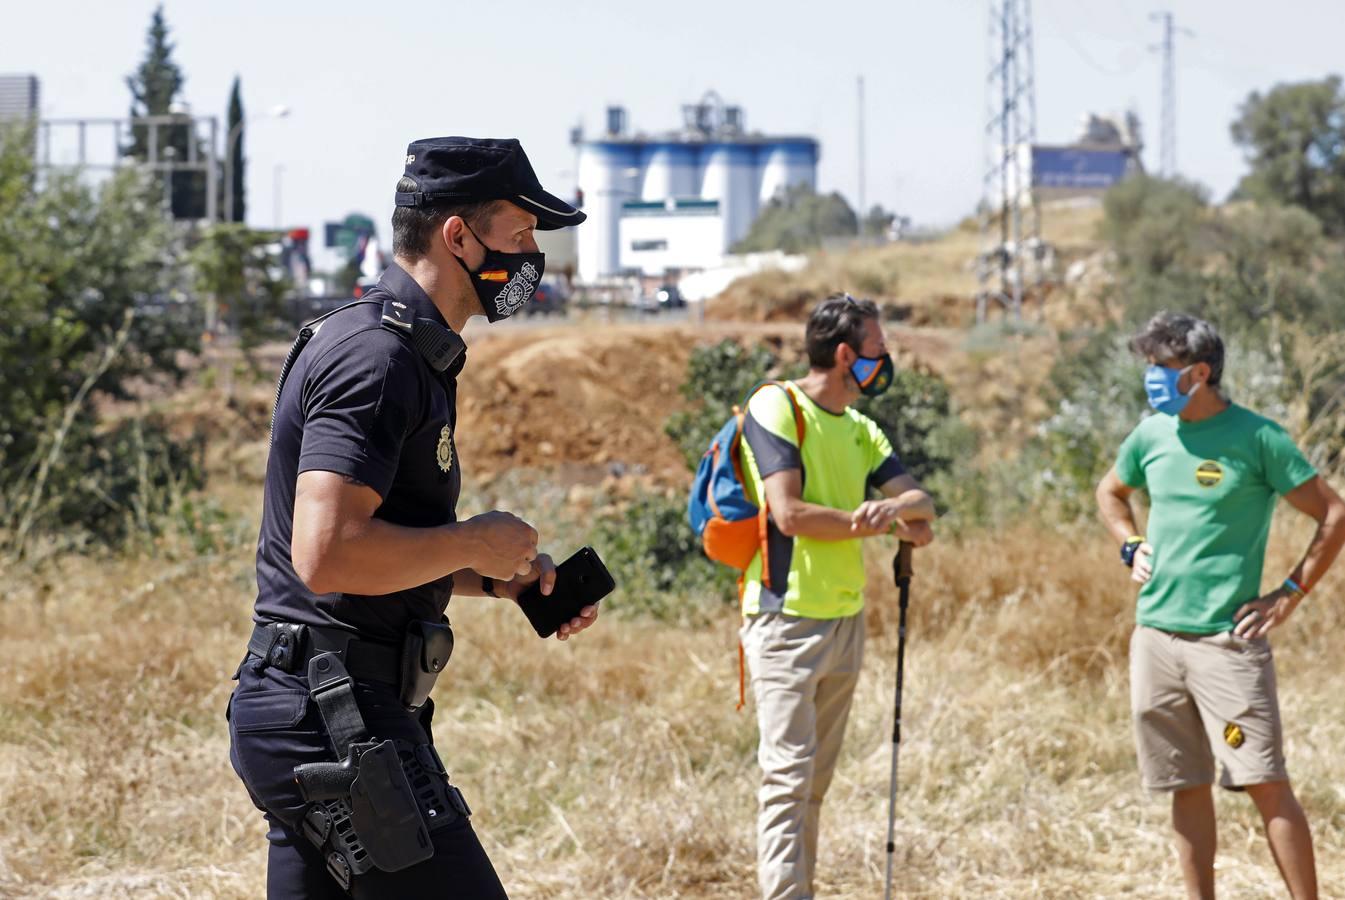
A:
{"points": [[361, 402]]}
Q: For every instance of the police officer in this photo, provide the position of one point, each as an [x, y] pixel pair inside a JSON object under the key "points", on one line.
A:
{"points": [[361, 548]]}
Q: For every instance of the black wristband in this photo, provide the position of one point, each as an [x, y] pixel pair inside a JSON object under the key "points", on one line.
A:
{"points": [[488, 585], [1128, 550]]}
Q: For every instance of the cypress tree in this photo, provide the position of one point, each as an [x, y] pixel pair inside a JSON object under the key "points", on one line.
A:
{"points": [[154, 86], [236, 149]]}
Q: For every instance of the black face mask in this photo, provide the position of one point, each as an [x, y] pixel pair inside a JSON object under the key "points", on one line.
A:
{"points": [[505, 281]]}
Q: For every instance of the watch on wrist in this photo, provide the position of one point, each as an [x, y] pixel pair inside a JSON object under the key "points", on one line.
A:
{"points": [[1129, 549]]}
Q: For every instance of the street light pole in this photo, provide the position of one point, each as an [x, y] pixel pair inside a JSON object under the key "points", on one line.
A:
{"points": [[278, 170], [276, 112]]}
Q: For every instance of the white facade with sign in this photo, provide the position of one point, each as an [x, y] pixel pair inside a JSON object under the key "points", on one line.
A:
{"points": [[660, 237]]}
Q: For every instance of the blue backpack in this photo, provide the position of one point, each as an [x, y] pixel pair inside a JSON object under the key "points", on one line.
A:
{"points": [[731, 527]]}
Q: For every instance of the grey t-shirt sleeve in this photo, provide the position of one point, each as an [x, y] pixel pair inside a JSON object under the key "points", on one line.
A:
{"points": [[891, 467], [772, 452]]}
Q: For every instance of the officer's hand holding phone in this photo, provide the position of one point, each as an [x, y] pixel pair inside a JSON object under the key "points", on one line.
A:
{"points": [[543, 575], [505, 545]]}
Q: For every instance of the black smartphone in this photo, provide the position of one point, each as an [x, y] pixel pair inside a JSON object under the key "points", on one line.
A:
{"points": [[581, 580]]}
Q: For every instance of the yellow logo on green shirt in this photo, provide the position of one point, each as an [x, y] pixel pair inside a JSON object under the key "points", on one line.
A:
{"points": [[1209, 473]]}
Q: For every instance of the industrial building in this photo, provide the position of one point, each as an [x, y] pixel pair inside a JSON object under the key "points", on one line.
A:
{"points": [[659, 205]]}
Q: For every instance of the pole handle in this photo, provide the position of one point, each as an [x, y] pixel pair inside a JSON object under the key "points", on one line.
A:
{"points": [[901, 565]]}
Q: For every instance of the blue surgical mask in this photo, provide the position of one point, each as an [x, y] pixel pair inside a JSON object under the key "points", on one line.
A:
{"points": [[1160, 383]]}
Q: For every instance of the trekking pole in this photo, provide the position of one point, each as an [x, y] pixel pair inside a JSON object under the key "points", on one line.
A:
{"points": [[901, 573]]}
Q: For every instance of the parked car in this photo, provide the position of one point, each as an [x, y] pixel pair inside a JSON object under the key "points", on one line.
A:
{"points": [[551, 297], [669, 297]]}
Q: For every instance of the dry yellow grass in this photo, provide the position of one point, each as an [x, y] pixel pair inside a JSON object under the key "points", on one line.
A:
{"points": [[931, 282], [615, 766]]}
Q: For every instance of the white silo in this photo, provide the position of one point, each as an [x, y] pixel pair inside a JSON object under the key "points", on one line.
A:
{"points": [[730, 176], [786, 162], [609, 175], [670, 170]]}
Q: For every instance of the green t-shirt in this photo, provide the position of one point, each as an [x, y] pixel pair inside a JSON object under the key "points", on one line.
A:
{"points": [[843, 454], [1212, 488]]}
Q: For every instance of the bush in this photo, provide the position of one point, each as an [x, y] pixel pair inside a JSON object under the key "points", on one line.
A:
{"points": [[718, 377], [90, 297], [240, 269], [916, 414], [658, 563]]}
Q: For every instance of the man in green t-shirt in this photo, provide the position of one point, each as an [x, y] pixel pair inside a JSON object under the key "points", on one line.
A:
{"points": [[803, 595], [1202, 677]]}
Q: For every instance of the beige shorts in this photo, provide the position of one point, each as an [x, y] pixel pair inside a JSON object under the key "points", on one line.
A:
{"points": [[1198, 699]]}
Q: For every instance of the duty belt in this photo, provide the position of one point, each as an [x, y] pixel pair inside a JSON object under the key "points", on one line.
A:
{"points": [[289, 647]]}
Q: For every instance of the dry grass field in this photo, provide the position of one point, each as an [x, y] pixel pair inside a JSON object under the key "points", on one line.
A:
{"points": [[615, 766]]}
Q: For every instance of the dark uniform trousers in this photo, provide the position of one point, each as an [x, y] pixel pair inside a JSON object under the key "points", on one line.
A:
{"points": [[273, 727]]}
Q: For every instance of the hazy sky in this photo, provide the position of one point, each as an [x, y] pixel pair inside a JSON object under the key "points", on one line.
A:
{"points": [[365, 78]]}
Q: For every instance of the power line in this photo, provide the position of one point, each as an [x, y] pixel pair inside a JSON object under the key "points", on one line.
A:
{"points": [[863, 210], [1077, 46], [1168, 154], [1007, 197]]}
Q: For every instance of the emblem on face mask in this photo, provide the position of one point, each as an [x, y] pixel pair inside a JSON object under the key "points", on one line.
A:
{"points": [[1209, 473], [518, 291], [1233, 736], [444, 452]]}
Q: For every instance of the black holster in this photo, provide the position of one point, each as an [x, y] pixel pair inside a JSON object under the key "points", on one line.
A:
{"points": [[425, 651], [379, 804], [384, 814]]}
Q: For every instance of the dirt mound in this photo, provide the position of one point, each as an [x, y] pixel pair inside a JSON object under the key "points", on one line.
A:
{"points": [[599, 395]]}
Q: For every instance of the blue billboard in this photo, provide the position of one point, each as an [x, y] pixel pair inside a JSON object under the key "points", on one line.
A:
{"points": [[1077, 167]]}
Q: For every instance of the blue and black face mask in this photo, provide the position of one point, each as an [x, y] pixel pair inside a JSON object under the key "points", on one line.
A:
{"points": [[1160, 384], [873, 374]]}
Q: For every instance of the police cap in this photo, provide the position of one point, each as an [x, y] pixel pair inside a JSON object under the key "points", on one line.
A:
{"points": [[448, 169]]}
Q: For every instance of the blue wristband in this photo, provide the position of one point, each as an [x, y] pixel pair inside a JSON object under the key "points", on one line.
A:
{"points": [[1294, 588]]}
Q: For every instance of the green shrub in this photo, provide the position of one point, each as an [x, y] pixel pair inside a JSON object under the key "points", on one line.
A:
{"points": [[916, 414], [90, 294], [718, 376], [658, 563]]}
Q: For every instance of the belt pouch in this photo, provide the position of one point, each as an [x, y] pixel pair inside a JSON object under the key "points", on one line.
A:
{"points": [[425, 651]]}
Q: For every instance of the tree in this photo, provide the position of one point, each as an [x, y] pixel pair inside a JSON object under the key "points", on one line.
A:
{"points": [[234, 152], [1294, 139], [155, 86], [797, 220], [879, 222]]}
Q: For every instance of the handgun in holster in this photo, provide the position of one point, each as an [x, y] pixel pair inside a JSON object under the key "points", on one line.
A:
{"points": [[383, 809]]}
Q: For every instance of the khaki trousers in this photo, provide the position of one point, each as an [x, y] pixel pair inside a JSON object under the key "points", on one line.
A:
{"points": [[804, 673]]}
